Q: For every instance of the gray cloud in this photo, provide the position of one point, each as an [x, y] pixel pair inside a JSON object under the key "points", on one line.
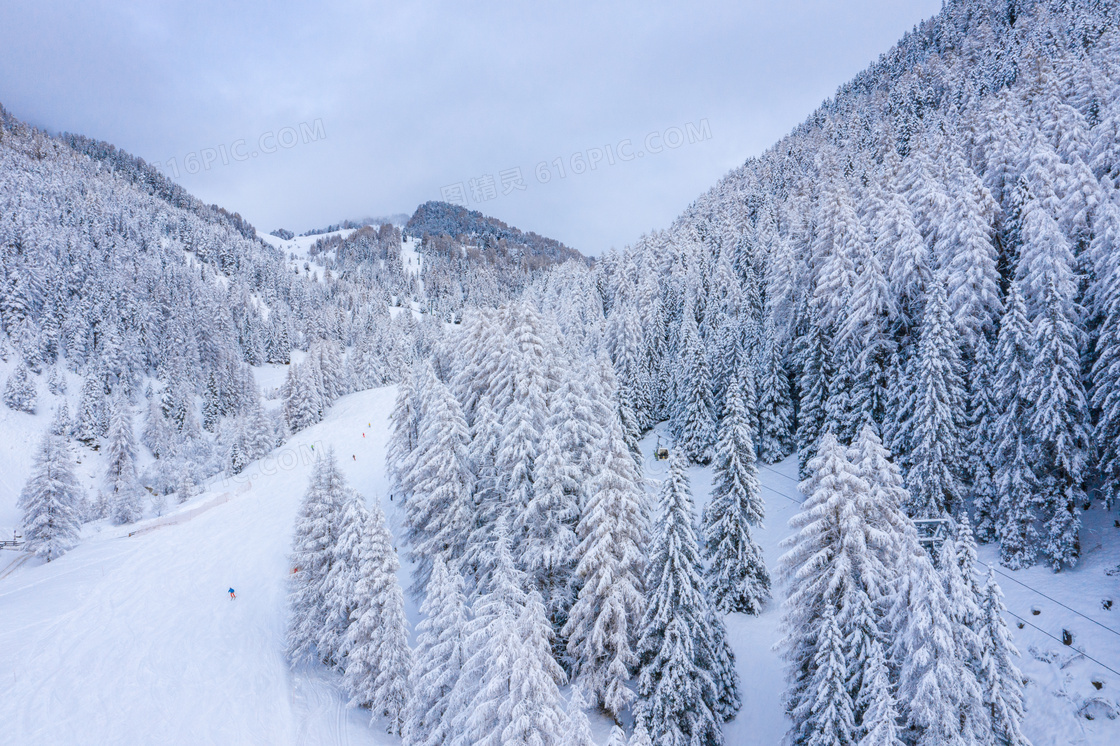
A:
{"points": [[415, 97]]}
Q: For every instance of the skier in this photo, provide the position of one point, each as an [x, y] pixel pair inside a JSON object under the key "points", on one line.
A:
{"points": [[232, 595], [355, 457]]}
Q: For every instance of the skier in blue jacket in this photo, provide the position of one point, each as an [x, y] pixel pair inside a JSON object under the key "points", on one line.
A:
{"points": [[232, 595]]}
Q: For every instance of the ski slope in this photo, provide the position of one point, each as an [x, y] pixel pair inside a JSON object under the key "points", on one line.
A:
{"points": [[133, 640]]}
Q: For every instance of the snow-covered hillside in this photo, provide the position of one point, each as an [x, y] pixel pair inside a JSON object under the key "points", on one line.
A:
{"points": [[133, 639]]}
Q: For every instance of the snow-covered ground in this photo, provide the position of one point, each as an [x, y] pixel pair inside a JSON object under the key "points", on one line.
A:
{"points": [[133, 640]]}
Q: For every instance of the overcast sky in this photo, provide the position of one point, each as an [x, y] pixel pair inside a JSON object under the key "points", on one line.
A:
{"points": [[406, 102]]}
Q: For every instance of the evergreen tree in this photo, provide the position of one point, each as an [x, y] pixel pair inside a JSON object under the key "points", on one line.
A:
{"points": [[881, 717], [122, 486], [931, 672], [577, 731], [50, 501], [19, 390], [378, 660], [1014, 475], [692, 420], [982, 441], [602, 624], [736, 578], [439, 657], [829, 702], [1001, 683], [1059, 425], [313, 554], [775, 407], [439, 518], [814, 360], [937, 412], [678, 680]]}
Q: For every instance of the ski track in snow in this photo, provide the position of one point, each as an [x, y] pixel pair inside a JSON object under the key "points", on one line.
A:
{"points": [[135, 641]]}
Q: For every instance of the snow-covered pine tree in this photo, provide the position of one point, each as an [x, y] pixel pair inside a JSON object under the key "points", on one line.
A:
{"points": [[507, 691], [547, 524], [340, 596], [404, 435], [313, 551], [577, 731], [814, 359], [692, 412], [1001, 684], [92, 418], [50, 500], [677, 682], [603, 622], [1014, 473], [775, 405], [122, 486], [880, 726], [956, 562], [439, 510], [737, 579], [617, 736], [19, 389], [535, 712], [937, 413], [439, 658], [982, 440], [1059, 427], [378, 660], [829, 703], [930, 669], [848, 536]]}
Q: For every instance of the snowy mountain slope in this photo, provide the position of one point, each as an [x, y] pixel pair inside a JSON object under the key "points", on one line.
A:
{"points": [[133, 640]]}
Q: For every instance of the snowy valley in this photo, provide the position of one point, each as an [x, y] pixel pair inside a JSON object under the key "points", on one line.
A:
{"points": [[831, 460]]}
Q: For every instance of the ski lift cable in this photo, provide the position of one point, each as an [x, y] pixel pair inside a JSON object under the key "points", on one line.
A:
{"points": [[996, 569], [1048, 598], [1055, 639]]}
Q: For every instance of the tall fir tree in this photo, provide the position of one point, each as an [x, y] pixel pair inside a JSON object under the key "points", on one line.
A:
{"points": [[50, 501], [737, 579], [603, 622]]}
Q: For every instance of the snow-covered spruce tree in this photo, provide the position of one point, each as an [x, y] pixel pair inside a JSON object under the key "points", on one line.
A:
{"points": [[313, 554], [441, 640], [50, 500], [827, 696], [956, 561], [577, 729], [92, 418], [122, 487], [736, 578], [982, 440], [1001, 684], [936, 414], [1105, 251], [547, 524], [617, 736], [931, 673], [848, 536], [1059, 427], [1014, 473], [880, 726], [678, 680], [508, 690], [303, 405], [775, 405], [439, 511], [603, 622], [814, 359], [340, 596], [19, 390], [692, 412], [378, 660], [404, 435]]}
